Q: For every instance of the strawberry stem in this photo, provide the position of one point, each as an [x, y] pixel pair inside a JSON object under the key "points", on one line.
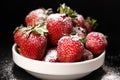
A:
{"points": [[33, 23], [64, 9]]}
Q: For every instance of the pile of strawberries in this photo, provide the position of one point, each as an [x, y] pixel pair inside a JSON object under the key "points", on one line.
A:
{"points": [[65, 36]]}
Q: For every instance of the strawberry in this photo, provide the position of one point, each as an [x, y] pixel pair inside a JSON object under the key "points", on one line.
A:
{"points": [[96, 42], [32, 41], [51, 55], [88, 27], [69, 49], [79, 20], [35, 17], [90, 24], [87, 55], [18, 33], [33, 46], [64, 9], [58, 25]]}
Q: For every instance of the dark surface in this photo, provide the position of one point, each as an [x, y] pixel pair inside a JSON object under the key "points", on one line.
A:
{"points": [[105, 11]]}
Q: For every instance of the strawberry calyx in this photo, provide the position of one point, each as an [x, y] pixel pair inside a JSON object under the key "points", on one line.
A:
{"points": [[73, 35], [22, 29], [83, 40], [40, 29], [64, 9], [48, 11], [16, 29], [92, 21], [45, 12]]}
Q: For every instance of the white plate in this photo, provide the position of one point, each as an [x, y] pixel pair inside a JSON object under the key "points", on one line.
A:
{"points": [[47, 70]]}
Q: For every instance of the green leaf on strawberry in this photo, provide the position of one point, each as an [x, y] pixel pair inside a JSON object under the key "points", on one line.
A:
{"points": [[49, 11], [83, 40], [40, 29], [92, 21], [64, 9]]}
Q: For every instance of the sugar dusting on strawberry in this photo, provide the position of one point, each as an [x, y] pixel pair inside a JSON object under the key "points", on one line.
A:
{"points": [[32, 41], [69, 49], [35, 17], [79, 31], [58, 25], [68, 31], [79, 21], [87, 55], [18, 33], [51, 55], [34, 46], [96, 42]]}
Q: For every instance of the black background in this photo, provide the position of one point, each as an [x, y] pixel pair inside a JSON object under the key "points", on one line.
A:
{"points": [[13, 12]]}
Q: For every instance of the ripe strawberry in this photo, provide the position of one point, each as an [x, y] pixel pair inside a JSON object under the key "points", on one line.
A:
{"points": [[51, 55], [96, 42], [58, 25], [33, 46], [70, 49], [88, 27], [18, 33], [87, 55], [35, 17], [79, 20], [90, 24], [32, 41]]}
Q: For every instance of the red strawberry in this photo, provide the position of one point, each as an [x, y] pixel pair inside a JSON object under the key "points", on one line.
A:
{"points": [[51, 55], [96, 42], [88, 27], [32, 41], [33, 46], [79, 21], [70, 49], [58, 25], [87, 55], [90, 24], [18, 33], [36, 16]]}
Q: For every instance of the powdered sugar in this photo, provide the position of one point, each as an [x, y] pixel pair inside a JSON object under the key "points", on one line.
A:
{"points": [[6, 69], [96, 42], [75, 37], [61, 18], [62, 38], [79, 32], [87, 55], [55, 16], [99, 34], [51, 55]]}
